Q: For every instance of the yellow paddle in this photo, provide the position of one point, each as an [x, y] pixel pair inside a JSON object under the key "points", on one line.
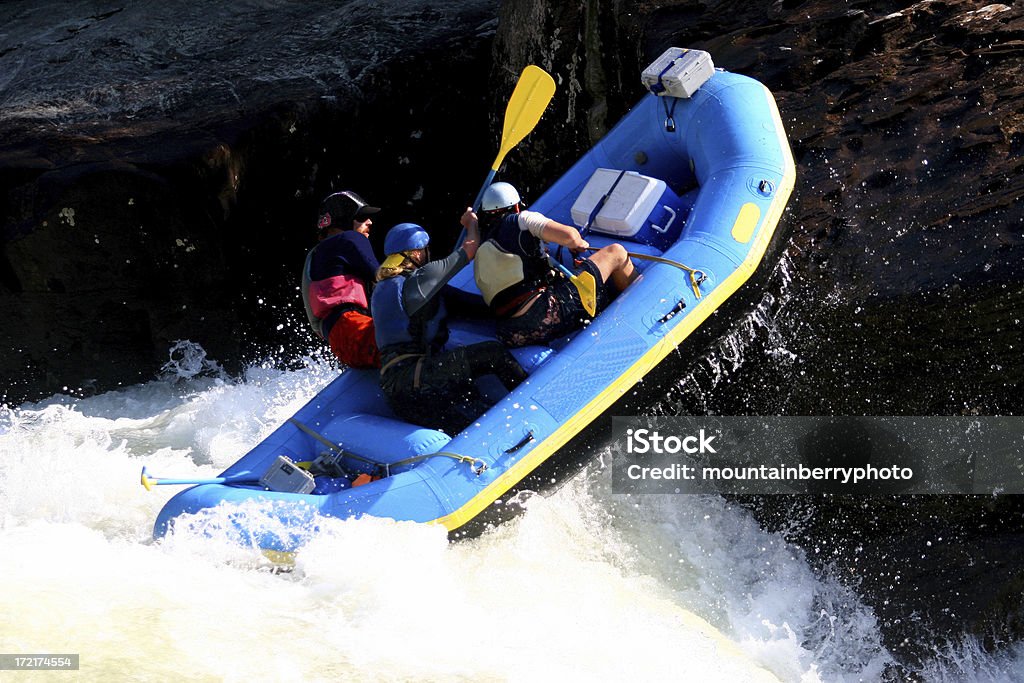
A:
{"points": [[585, 285], [530, 98]]}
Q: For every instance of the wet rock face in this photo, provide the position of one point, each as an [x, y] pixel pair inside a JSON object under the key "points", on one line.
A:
{"points": [[160, 168], [115, 262]]}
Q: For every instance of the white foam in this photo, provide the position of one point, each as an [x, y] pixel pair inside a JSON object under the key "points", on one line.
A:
{"points": [[584, 585]]}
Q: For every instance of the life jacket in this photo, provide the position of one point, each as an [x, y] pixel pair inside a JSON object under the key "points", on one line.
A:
{"points": [[510, 265], [323, 297], [396, 331]]}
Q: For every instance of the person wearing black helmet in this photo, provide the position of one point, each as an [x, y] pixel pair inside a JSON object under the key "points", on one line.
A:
{"points": [[337, 278], [512, 271], [423, 383]]}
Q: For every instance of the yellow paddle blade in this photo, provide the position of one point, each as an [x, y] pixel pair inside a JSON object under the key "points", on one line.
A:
{"points": [[530, 98], [587, 287], [282, 560]]}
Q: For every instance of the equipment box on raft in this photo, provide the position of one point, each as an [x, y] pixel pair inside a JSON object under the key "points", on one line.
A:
{"points": [[630, 206], [678, 72]]}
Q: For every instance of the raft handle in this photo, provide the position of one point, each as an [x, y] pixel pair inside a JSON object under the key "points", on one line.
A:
{"points": [[522, 442], [678, 308], [671, 220]]}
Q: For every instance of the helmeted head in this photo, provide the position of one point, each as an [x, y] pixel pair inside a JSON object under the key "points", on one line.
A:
{"points": [[400, 240], [499, 196], [343, 211]]}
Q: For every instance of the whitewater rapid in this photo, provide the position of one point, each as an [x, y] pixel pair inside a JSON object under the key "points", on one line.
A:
{"points": [[584, 585]]}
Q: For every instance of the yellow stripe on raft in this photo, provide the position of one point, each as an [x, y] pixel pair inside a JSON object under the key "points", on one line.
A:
{"points": [[746, 222]]}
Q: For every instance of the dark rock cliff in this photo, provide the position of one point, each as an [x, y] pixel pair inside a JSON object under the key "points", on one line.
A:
{"points": [[160, 166]]}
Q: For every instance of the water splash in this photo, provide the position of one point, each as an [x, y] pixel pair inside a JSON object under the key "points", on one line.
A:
{"points": [[188, 360], [967, 661], [585, 583], [760, 326]]}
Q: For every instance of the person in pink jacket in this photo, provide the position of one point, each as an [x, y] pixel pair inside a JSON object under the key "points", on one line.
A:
{"points": [[337, 278]]}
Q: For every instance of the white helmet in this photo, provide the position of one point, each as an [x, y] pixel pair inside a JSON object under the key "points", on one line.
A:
{"points": [[499, 196]]}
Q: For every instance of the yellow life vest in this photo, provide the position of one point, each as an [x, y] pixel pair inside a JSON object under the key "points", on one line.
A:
{"points": [[495, 270]]}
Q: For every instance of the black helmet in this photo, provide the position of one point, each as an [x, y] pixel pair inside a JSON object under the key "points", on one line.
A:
{"points": [[341, 208]]}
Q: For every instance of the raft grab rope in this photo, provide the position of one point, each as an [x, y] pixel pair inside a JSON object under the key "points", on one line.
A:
{"points": [[697, 276], [478, 466]]}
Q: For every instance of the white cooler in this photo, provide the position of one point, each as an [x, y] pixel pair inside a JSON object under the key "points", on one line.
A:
{"points": [[640, 209], [678, 72]]}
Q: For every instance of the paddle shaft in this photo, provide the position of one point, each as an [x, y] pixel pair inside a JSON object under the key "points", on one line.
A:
{"points": [[483, 188], [149, 481], [238, 479]]}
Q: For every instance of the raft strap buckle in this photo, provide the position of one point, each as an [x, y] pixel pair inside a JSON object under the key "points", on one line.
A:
{"points": [[327, 464]]}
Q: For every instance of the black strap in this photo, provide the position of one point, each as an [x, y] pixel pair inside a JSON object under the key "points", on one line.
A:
{"points": [[600, 205], [670, 122], [659, 87], [335, 447]]}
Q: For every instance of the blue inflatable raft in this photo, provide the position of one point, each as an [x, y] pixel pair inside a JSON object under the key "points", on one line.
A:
{"points": [[699, 180]]}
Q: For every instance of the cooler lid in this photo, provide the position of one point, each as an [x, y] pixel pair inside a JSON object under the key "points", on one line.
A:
{"points": [[626, 210]]}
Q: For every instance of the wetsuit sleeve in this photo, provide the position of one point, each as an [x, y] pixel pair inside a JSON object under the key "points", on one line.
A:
{"points": [[362, 260], [427, 282], [346, 254]]}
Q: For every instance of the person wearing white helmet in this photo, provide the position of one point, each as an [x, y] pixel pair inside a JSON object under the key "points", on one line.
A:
{"points": [[423, 383], [337, 276], [532, 304]]}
